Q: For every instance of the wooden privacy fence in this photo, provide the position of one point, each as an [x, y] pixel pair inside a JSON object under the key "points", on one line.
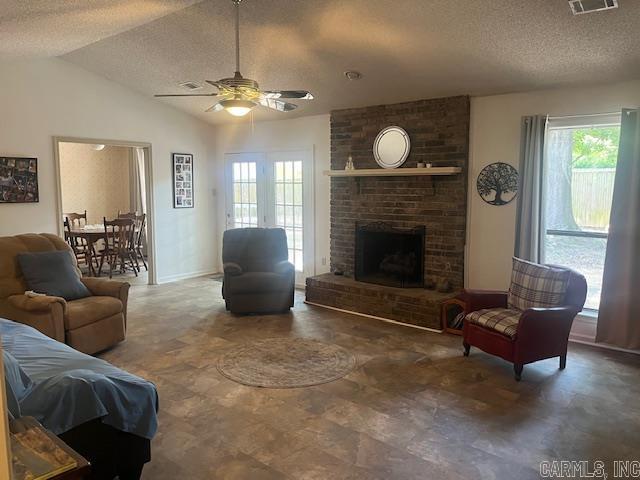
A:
{"points": [[591, 192]]}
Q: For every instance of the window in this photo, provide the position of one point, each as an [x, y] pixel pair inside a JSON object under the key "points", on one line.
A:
{"points": [[579, 172], [245, 201], [289, 206]]}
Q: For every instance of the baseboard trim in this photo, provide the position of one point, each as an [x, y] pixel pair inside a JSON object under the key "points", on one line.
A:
{"points": [[185, 276], [366, 315], [603, 346], [581, 339]]}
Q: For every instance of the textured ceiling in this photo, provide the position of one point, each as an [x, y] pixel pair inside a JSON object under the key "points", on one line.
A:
{"points": [[54, 27], [405, 49]]}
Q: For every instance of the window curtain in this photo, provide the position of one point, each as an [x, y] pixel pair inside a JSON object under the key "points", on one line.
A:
{"points": [[529, 221], [136, 181], [138, 197], [619, 314]]}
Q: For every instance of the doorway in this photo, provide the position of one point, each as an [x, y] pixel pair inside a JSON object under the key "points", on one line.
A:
{"points": [[100, 181], [274, 189]]}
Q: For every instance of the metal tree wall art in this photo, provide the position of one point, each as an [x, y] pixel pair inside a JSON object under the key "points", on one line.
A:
{"points": [[498, 183]]}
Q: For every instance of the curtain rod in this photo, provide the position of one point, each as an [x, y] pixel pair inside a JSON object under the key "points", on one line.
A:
{"points": [[585, 115]]}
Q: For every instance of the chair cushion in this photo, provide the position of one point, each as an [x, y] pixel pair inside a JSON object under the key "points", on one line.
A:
{"points": [[502, 320], [52, 273], [536, 286], [258, 282], [89, 310]]}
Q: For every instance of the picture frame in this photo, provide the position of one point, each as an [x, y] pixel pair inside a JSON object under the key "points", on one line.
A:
{"points": [[497, 183], [183, 180], [19, 180]]}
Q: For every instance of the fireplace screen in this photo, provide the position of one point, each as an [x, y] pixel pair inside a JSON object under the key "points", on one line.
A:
{"points": [[390, 256]]}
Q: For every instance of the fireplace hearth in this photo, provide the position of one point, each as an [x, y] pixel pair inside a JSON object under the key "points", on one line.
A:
{"points": [[389, 256]]}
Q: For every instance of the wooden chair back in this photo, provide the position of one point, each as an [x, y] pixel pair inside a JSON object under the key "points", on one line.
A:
{"points": [[67, 233], [76, 219], [119, 234], [140, 222]]}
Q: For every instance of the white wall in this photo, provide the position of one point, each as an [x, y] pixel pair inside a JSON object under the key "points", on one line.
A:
{"points": [[495, 137], [300, 133], [40, 99]]}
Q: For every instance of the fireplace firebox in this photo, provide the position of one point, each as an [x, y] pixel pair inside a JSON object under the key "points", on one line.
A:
{"points": [[390, 256]]}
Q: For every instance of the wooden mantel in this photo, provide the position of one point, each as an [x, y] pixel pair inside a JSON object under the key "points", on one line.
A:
{"points": [[393, 172]]}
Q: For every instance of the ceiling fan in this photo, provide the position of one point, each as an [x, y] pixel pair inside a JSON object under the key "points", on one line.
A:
{"points": [[239, 95]]}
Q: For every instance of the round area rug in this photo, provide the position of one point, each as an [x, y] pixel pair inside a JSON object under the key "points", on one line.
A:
{"points": [[286, 363]]}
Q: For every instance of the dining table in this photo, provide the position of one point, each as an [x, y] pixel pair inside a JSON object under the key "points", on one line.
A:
{"points": [[91, 234]]}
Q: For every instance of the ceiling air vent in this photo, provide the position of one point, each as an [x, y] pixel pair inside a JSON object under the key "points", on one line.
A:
{"points": [[579, 7], [190, 85]]}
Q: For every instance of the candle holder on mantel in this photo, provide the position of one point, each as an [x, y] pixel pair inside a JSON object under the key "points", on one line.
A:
{"points": [[349, 164]]}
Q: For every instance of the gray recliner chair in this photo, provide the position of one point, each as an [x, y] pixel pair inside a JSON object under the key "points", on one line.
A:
{"points": [[258, 278]]}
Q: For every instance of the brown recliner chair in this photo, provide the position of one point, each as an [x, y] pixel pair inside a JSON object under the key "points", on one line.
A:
{"points": [[89, 324]]}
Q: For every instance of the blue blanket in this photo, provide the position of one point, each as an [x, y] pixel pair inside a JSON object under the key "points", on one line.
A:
{"points": [[70, 388]]}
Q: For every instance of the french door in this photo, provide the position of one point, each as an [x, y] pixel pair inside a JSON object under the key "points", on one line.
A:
{"points": [[274, 189]]}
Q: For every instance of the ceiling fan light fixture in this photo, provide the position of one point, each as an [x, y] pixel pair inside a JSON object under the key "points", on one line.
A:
{"points": [[237, 107]]}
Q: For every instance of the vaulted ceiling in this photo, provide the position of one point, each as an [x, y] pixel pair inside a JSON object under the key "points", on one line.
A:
{"points": [[405, 49]]}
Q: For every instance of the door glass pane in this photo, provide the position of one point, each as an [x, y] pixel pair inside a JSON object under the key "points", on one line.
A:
{"points": [[288, 215], [297, 194], [297, 216], [279, 215], [245, 198], [579, 176], [288, 193], [279, 194], [289, 207]]}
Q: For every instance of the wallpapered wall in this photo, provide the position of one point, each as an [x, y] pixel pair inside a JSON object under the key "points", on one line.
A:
{"points": [[95, 181]]}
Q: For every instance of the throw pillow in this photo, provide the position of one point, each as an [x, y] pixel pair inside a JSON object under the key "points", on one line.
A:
{"points": [[536, 286], [52, 273]]}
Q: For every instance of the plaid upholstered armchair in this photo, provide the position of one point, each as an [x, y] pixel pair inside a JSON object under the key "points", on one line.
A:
{"points": [[531, 321]]}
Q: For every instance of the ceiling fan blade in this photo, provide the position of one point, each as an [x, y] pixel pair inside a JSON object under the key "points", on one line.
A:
{"points": [[299, 94], [216, 107], [279, 105], [187, 95], [218, 85]]}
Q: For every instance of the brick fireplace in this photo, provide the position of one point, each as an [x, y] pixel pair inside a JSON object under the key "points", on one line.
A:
{"points": [[439, 133]]}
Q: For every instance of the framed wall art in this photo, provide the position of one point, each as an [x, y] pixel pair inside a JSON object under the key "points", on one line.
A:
{"points": [[18, 180], [182, 180], [497, 183]]}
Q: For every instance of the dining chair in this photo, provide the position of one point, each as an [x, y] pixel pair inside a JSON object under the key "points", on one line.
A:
{"points": [[82, 249], [119, 237], [76, 219], [140, 220]]}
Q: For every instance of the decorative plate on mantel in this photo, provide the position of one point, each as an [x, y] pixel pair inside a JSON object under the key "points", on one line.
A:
{"points": [[391, 147]]}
